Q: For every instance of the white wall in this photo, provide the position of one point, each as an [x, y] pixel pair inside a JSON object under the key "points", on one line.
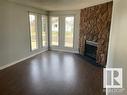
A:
{"points": [[117, 56], [62, 15], [14, 32]]}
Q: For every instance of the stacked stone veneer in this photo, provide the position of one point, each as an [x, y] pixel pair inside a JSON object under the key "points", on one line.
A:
{"points": [[95, 26]]}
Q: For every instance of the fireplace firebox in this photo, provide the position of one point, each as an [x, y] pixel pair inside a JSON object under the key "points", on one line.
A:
{"points": [[90, 49]]}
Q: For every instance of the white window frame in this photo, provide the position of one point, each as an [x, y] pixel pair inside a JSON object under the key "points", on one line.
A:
{"points": [[73, 30], [50, 25], [45, 31], [37, 36]]}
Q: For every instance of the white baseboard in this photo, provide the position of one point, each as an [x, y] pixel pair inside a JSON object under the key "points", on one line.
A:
{"points": [[65, 50], [15, 62]]}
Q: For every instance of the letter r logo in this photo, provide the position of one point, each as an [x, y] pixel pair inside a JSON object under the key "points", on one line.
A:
{"points": [[112, 78]]}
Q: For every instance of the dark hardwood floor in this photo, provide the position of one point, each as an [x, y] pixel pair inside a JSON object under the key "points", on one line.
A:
{"points": [[52, 73]]}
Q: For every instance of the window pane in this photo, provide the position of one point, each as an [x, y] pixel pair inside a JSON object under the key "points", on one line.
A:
{"points": [[69, 30], [33, 31], [55, 31], [44, 31]]}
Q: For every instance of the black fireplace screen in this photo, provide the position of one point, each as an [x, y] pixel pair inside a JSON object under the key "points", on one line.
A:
{"points": [[90, 49]]}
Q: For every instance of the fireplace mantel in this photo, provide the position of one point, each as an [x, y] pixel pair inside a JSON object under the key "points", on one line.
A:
{"points": [[91, 43]]}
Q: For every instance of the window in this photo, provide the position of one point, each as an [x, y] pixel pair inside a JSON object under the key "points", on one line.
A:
{"points": [[33, 31], [44, 30], [69, 31], [54, 31]]}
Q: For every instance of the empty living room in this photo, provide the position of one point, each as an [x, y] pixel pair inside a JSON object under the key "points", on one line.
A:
{"points": [[63, 47]]}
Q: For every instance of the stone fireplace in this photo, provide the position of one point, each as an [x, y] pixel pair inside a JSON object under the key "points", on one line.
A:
{"points": [[94, 31]]}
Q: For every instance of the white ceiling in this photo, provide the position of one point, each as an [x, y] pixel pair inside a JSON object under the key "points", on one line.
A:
{"points": [[56, 5]]}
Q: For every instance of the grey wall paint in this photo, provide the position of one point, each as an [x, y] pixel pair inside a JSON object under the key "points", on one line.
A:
{"points": [[117, 56], [14, 32]]}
